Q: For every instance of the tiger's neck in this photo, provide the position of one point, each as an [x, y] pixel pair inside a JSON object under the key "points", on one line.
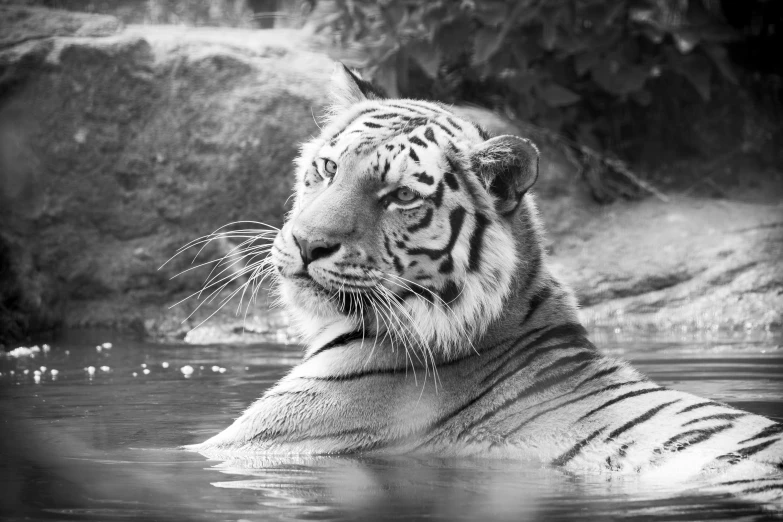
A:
{"points": [[537, 299]]}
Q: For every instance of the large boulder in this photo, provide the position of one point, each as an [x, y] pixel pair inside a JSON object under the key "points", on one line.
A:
{"points": [[118, 150], [689, 264]]}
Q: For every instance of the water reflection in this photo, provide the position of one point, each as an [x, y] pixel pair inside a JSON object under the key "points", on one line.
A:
{"points": [[104, 447], [468, 489]]}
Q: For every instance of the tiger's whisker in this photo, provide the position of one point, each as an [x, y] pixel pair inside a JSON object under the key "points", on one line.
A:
{"points": [[426, 350], [228, 254], [217, 234], [410, 331]]}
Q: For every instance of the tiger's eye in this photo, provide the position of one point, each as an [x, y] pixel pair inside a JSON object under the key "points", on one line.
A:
{"points": [[330, 167], [405, 194]]}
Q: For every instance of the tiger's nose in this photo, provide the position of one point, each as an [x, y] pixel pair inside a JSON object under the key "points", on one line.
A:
{"points": [[314, 250]]}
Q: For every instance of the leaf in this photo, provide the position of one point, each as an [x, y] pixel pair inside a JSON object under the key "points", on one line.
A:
{"points": [[427, 56], [524, 49], [642, 97], [491, 14], [549, 33], [717, 33], [653, 34], [394, 13], [686, 40], [486, 43], [618, 78], [612, 13], [718, 55], [550, 118], [555, 95], [453, 38], [524, 83], [585, 61], [385, 77], [586, 136], [695, 68]]}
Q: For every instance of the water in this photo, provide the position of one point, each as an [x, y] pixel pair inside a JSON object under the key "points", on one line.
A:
{"points": [[104, 447]]}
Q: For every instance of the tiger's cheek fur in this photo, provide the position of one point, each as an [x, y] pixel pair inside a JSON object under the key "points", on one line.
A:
{"points": [[461, 291]]}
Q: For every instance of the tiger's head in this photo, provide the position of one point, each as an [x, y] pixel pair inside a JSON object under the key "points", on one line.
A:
{"points": [[401, 225]]}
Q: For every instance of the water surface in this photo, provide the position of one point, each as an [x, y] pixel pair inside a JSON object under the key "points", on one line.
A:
{"points": [[104, 446]]}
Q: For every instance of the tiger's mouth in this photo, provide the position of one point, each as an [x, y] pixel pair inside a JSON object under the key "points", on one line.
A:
{"points": [[305, 281], [345, 293], [347, 297]]}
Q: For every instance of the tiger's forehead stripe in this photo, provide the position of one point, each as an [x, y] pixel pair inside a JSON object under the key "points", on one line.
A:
{"points": [[417, 130], [402, 116]]}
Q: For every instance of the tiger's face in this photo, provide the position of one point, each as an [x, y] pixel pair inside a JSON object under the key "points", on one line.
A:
{"points": [[401, 225]]}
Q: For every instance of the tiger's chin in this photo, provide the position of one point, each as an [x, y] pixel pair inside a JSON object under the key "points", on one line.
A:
{"points": [[314, 311], [438, 332]]}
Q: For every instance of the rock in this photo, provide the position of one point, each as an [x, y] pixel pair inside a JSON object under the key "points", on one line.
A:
{"points": [[123, 148], [691, 264]]}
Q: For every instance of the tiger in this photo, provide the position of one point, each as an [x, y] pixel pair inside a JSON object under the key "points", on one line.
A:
{"points": [[412, 263]]}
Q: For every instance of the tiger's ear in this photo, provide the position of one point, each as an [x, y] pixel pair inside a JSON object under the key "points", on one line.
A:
{"points": [[508, 166], [348, 88]]}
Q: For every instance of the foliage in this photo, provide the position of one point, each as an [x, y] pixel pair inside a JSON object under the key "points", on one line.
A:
{"points": [[557, 63]]}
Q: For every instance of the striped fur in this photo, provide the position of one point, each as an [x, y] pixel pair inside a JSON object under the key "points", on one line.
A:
{"points": [[477, 349]]}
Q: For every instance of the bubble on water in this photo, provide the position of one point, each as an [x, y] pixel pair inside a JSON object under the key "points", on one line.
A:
{"points": [[107, 346], [105, 368], [222, 370], [98, 348], [37, 379], [26, 372], [37, 373], [36, 349], [67, 352], [186, 370], [91, 370], [216, 368], [46, 347], [200, 367], [143, 365], [146, 371], [247, 367], [21, 351], [135, 374], [164, 364], [11, 372], [54, 372]]}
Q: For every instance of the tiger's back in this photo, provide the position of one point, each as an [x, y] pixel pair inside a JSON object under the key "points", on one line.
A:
{"points": [[413, 264]]}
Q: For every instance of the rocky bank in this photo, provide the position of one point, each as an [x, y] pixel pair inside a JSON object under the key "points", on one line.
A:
{"points": [[119, 145]]}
